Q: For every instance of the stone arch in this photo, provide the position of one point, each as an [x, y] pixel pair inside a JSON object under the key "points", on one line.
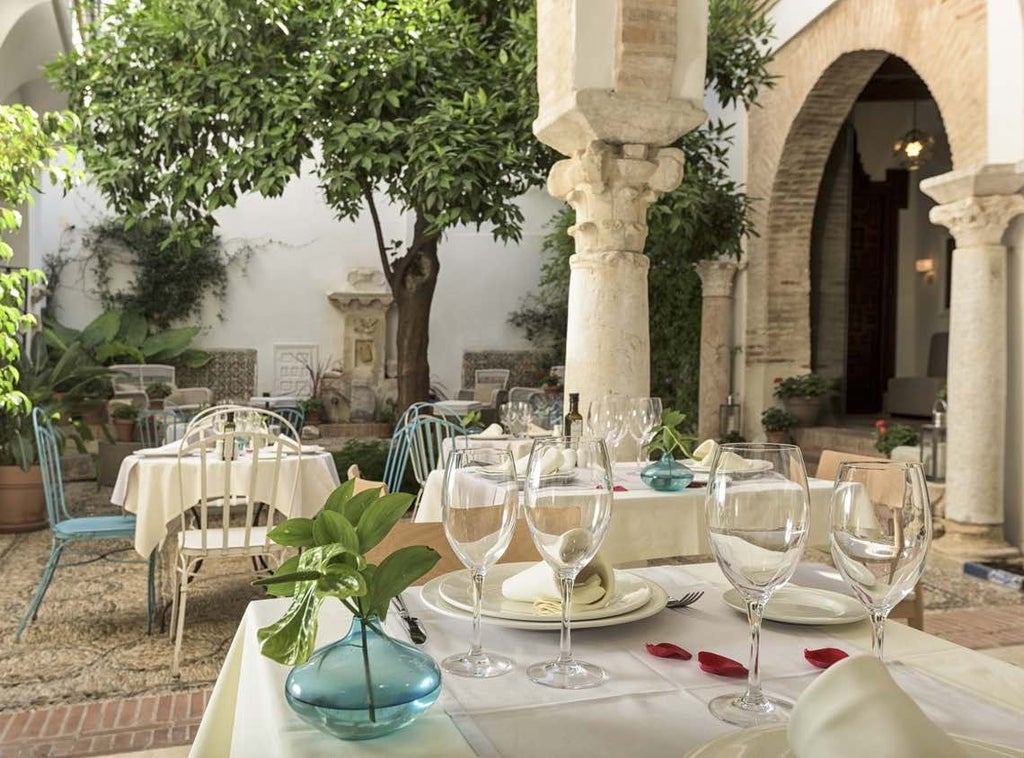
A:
{"points": [[821, 72]]}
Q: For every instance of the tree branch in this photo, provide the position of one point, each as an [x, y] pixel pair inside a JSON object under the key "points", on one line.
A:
{"points": [[378, 232]]}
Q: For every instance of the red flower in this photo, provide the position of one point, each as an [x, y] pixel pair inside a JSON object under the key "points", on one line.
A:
{"points": [[880, 423], [668, 650], [778, 380]]}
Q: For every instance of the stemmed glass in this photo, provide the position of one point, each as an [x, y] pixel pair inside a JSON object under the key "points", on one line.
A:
{"points": [[757, 519], [568, 507], [479, 501], [606, 419], [881, 527], [644, 416]]}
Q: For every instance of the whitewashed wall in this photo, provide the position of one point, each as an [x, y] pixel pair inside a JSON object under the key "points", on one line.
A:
{"points": [[301, 252]]}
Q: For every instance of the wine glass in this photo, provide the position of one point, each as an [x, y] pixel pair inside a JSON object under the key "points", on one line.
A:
{"points": [[881, 527], [479, 501], [568, 506], [606, 419], [757, 520], [644, 416]]}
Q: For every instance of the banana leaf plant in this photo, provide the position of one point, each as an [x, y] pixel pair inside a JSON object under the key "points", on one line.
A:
{"points": [[117, 336]]}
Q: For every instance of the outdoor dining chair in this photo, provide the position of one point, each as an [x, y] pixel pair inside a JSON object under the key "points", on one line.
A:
{"points": [[426, 435], [295, 417], [156, 428], [68, 531], [231, 490]]}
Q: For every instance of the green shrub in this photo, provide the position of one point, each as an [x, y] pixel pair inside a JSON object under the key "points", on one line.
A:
{"points": [[370, 455]]}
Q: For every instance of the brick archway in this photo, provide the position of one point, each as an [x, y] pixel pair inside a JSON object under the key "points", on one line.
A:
{"points": [[821, 72]]}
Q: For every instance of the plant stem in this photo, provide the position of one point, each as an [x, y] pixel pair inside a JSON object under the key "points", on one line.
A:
{"points": [[366, 669]]}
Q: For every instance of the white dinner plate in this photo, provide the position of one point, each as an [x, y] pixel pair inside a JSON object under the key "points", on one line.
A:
{"points": [[631, 592], [770, 741], [432, 597], [559, 477], [753, 467], [804, 605]]}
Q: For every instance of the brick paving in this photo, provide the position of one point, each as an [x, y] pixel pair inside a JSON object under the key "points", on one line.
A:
{"points": [[103, 727], [978, 628]]}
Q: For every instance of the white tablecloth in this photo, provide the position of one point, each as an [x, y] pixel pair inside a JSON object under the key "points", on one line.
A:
{"points": [[649, 707], [149, 487], [648, 524], [519, 446]]}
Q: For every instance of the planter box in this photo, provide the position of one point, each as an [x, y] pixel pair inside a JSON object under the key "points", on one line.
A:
{"points": [[806, 409]]}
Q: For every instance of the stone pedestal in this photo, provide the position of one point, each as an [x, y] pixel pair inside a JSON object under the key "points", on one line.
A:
{"points": [[715, 342], [617, 79], [976, 206]]}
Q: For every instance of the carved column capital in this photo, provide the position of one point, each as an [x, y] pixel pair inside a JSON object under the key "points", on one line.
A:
{"points": [[978, 220], [610, 187], [716, 276]]}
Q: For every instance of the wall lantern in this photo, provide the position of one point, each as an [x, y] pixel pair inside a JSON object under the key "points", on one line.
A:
{"points": [[926, 268], [933, 443], [915, 148]]}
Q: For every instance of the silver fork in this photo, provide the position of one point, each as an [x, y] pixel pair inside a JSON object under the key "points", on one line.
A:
{"points": [[681, 602]]}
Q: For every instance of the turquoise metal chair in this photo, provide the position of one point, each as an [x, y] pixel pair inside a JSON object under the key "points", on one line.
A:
{"points": [[293, 416], [156, 428], [425, 436], [67, 530], [398, 450]]}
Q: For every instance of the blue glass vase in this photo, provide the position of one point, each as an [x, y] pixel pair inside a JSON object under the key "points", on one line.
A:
{"points": [[667, 475], [330, 691]]}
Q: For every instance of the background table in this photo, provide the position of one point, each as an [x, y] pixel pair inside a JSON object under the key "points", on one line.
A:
{"points": [[647, 524], [650, 707], [150, 488]]}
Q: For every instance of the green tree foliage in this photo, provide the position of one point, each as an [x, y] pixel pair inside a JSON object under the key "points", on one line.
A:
{"points": [[705, 217], [189, 105]]}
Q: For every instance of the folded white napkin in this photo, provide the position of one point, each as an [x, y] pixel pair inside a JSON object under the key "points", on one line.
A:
{"points": [[532, 430], [594, 586], [705, 452], [553, 461], [856, 709], [731, 462], [171, 448], [491, 432]]}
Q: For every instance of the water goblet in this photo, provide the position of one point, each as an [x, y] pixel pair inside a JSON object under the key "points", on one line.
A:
{"points": [[644, 416], [568, 507], [757, 519], [879, 534], [479, 501]]}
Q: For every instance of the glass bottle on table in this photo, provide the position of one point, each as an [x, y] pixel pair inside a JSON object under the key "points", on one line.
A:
{"points": [[228, 443], [573, 428]]}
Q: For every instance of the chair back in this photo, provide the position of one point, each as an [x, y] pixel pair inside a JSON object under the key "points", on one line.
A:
{"points": [[49, 464], [497, 376], [398, 459], [523, 394], [828, 464], [293, 416], [426, 434], [156, 428], [230, 483], [406, 533]]}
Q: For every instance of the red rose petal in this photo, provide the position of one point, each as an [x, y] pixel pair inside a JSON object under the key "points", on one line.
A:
{"points": [[668, 650], [713, 663], [824, 657], [619, 488]]}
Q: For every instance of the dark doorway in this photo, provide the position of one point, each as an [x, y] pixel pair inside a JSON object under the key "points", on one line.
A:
{"points": [[871, 297]]}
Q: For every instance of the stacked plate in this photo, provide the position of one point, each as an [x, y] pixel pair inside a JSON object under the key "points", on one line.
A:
{"points": [[634, 598]]}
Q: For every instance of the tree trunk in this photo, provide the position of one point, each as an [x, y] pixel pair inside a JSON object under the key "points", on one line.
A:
{"points": [[413, 284]]}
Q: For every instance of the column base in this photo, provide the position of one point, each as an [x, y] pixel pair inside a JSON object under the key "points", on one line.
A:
{"points": [[969, 541]]}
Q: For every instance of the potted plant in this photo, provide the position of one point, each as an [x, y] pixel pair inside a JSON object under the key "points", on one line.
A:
{"points": [[386, 683], [891, 436], [802, 395], [313, 409], [777, 423], [665, 474], [156, 393], [123, 417], [552, 385]]}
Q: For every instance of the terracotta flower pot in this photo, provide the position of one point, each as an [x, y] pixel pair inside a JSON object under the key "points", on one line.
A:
{"points": [[22, 501], [124, 429], [806, 409], [778, 436]]}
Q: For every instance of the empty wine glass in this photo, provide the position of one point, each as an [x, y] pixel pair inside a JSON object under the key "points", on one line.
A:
{"points": [[757, 520], [568, 506], [644, 416], [479, 501], [881, 527], [607, 420]]}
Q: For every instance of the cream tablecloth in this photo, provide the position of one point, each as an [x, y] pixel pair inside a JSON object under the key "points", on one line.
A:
{"points": [[650, 707], [648, 524], [150, 488]]}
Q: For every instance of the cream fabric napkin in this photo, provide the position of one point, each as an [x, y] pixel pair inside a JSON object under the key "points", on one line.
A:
{"points": [[856, 709], [492, 432], [553, 461], [705, 452], [532, 430], [594, 587]]}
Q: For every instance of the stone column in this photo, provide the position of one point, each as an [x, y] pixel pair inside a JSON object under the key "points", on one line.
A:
{"points": [[716, 279], [977, 356], [617, 80]]}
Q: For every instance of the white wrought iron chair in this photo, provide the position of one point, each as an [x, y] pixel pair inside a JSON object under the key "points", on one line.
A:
{"points": [[231, 489]]}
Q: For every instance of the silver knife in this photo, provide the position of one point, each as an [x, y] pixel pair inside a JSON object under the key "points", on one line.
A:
{"points": [[416, 633]]}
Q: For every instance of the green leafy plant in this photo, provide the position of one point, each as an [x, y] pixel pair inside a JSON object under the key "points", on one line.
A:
{"points": [[313, 406], [124, 411], [472, 419], [333, 563], [158, 390], [803, 385], [777, 420], [669, 437], [731, 437], [889, 436], [551, 381]]}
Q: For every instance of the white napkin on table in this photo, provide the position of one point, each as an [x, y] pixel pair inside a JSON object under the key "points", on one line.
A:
{"points": [[553, 461], [705, 452], [492, 432], [594, 586], [856, 709], [532, 430]]}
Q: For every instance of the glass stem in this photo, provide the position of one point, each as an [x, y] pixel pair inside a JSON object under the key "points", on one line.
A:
{"points": [[755, 612], [565, 647], [478, 594], [878, 629]]}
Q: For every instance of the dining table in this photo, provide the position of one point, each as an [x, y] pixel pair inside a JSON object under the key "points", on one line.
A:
{"points": [[148, 485], [650, 524], [649, 706]]}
